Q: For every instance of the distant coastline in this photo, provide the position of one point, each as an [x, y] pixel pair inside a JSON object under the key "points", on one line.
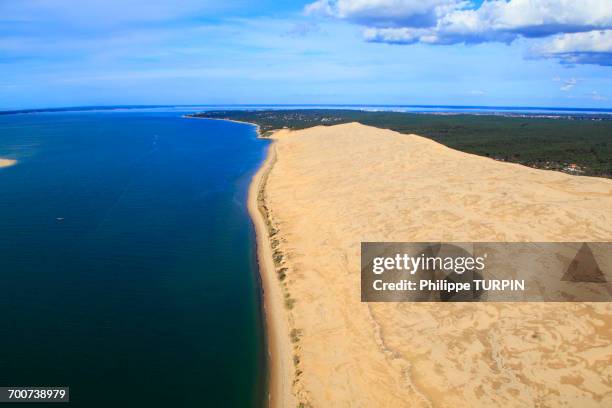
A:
{"points": [[257, 127], [425, 109]]}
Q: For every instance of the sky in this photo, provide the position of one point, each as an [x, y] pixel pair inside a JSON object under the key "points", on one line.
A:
{"points": [[553, 53]]}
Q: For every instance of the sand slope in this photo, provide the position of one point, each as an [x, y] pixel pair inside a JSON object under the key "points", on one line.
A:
{"points": [[332, 187]]}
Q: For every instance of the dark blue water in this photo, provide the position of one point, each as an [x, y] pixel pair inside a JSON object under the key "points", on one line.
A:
{"points": [[146, 293]]}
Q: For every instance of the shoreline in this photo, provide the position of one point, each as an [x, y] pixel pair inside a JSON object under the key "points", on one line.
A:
{"points": [[276, 326], [293, 378]]}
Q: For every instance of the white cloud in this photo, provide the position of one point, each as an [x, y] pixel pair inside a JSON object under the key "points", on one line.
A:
{"points": [[568, 84], [594, 47], [581, 26], [301, 29], [386, 13], [596, 96]]}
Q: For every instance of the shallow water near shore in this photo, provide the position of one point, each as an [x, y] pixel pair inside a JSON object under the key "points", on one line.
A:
{"points": [[128, 259]]}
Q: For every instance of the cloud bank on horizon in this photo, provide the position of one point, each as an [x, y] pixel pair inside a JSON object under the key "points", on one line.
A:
{"points": [[574, 32]]}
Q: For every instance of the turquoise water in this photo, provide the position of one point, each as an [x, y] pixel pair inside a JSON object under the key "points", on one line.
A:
{"points": [[127, 259]]}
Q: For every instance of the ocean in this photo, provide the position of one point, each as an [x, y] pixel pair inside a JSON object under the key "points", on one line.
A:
{"points": [[128, 260]]}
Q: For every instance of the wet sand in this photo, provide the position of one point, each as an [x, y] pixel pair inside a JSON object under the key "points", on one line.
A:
{"points": [[324, 190]]}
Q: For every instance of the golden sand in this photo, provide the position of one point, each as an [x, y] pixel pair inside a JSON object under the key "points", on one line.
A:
{"points": [[7, 162], [324, 190], [277, 324]]}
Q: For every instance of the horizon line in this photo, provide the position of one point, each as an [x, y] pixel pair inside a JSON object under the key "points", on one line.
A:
{"points": [[261, 105]]}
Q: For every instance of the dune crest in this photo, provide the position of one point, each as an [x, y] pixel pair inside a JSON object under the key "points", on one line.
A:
{"points": [[329, 188]]}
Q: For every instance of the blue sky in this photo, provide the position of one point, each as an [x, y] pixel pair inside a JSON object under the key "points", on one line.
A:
{"points": [[452, 52]]}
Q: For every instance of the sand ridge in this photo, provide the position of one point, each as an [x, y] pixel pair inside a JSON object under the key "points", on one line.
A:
{"points": [[329, 188]]}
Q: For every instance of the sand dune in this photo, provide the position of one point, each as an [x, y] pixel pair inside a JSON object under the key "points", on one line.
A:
{"points": [[7, 162], [329, 188]]}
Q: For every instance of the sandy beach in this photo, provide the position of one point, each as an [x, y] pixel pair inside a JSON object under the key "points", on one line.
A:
{"points": [[324, 190], [7, 162], [277, 326]]}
